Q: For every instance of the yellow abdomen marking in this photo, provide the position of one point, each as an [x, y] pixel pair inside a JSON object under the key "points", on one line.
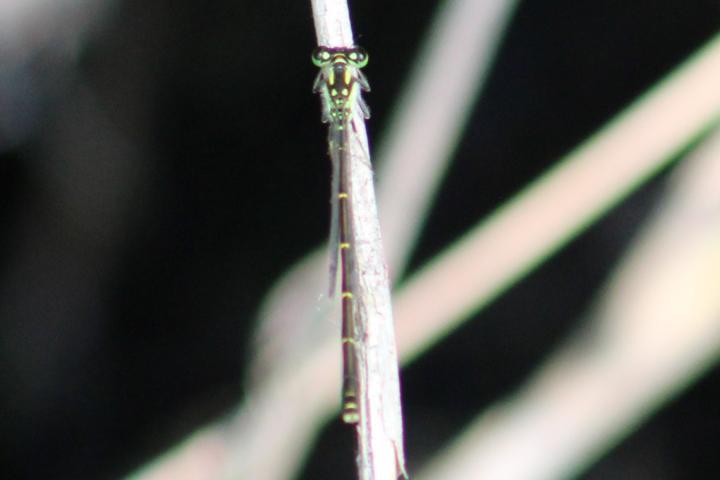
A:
{"points": [[342, 195], [350, 416], [344, 246], [347, 295]]}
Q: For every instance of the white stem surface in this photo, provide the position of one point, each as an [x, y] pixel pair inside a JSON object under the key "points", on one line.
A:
{"points": [[380, 437]]}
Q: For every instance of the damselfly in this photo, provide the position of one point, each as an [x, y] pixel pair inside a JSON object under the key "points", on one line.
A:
{"points": [[339, 84]]}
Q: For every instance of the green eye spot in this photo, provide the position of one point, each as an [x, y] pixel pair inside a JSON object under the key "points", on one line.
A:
{"points": [[320, 56], [358, 57]]}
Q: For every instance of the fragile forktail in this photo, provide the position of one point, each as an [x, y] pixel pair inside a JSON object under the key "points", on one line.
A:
{"points": [[339, 84]]}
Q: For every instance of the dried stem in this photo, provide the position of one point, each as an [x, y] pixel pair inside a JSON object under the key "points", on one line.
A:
{"points": [[379, 432]]}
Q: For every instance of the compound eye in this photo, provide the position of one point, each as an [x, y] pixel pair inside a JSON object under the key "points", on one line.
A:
{"points": [[320, 56], [358, 57]]}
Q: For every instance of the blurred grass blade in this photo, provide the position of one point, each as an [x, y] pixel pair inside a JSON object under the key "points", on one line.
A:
{"points": [[656, 330]]}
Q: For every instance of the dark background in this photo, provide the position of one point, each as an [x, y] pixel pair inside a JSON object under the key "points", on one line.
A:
{"points": [[147, 204]]}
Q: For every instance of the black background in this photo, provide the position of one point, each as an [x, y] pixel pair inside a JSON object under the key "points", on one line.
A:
{"points": [[151, 204]]}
